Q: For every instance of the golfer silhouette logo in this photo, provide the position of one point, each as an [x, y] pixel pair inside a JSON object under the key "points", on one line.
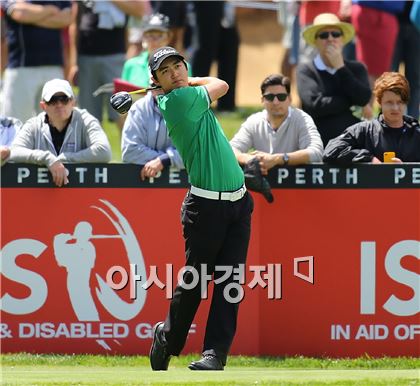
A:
{"points": [[77, 254]]}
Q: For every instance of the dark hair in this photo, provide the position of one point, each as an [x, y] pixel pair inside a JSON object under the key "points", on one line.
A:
{"points": [[275, 79], [392, 81]]}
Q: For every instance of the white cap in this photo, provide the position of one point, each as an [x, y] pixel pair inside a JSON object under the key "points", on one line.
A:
{"points": [[54, 86]]}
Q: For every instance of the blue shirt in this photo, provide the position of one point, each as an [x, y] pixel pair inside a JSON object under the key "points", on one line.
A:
{"points": [[393, 7], [29, 45], [145, 136]]}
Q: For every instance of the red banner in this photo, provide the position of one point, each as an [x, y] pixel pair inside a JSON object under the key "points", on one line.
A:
{"points": [[341, 267]]}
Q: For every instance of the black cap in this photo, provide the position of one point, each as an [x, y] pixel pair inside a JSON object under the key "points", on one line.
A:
{"points": [[159, 55]]}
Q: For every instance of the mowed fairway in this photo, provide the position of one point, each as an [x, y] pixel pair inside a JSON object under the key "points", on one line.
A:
{"points": [[47, 375], [91, 370]]}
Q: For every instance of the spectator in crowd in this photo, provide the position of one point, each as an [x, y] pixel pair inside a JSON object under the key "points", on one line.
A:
{"points": [[134, 37], [288, 17], [135, 32], [375, 50], [392, 132], [145, 139], [297, 15], [35, 52], [8, 129], [156, 34], [216, 38], [308, 10], [177, 13], [98, 47], [280, 134], [407, 50], [61, 133], [376, 26], [330, 86]]}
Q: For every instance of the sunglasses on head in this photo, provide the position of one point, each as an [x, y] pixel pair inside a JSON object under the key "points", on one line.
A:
{"points": [[326, 34], [64, 99], [280, 97]]}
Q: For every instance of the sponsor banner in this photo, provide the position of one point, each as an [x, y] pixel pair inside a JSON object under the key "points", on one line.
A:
{"points": [[59, 251], [365, 296], [315, 176], [330, 272]]}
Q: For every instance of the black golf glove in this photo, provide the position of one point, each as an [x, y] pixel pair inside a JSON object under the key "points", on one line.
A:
{"points": [[255, 181]]}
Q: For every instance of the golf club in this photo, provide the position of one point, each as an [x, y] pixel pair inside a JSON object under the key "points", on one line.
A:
{"points": [[122, 101]]}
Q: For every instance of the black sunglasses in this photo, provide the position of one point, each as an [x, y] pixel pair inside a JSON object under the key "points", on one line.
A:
{"points": [[64, 99], [326, 34], [280, 97]]}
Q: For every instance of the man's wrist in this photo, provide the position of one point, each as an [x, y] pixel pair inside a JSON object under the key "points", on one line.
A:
{"points": [[282, 159], [165, 160], [244, 158]]}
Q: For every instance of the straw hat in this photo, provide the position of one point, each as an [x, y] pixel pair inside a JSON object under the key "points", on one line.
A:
{"points": [[325, 20]]}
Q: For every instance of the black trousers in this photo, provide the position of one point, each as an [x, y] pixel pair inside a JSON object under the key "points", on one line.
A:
{"points": [[216, 234], [216, 43]]}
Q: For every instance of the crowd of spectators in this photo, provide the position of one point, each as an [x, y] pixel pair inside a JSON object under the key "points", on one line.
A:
{"points": [[85, 42]]}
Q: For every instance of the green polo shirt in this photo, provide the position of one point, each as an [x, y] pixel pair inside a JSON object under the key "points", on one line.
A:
{"points": [[136, 70], [199, 139]]}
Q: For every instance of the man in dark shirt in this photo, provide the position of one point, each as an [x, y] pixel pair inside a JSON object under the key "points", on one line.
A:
{"points": [[330, 86], [35, 53], [392, 137], [98, 38]]}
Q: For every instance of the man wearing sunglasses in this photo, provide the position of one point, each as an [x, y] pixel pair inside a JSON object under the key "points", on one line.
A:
{"points": [[329, 86], [61, 133], [280, 134]]}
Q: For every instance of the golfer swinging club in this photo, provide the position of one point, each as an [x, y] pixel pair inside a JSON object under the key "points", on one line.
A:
{"points": [[216, 212]]}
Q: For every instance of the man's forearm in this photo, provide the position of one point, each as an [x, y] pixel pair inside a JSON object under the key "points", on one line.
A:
{"points": [[242, 158], [203, 80], [215, 86], [27, 13], [61, 20]]}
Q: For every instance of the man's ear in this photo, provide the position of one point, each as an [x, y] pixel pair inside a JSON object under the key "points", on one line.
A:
{"points": [[154, 80], [43, 105]]}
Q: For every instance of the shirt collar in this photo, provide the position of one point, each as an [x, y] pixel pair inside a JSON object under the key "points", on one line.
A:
{"points": [[289, 113], [321, 66], [49, 125]]}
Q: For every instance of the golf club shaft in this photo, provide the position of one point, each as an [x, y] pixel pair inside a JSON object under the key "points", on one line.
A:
{"points": [[143, 90]]}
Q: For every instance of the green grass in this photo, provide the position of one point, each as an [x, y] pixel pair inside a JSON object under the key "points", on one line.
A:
{"points": [[230, 123], [26, 369]]}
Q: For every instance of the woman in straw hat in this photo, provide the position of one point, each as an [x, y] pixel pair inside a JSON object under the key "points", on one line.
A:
{"points": [[330, 86]]}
